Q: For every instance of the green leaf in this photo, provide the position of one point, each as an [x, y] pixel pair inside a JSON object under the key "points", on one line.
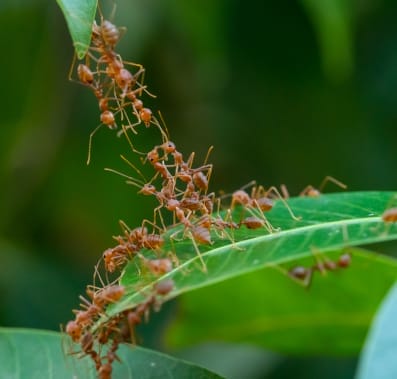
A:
{"points": [[79, 16], [378, 358], [38, 354], [329, 222], [269, 309]]}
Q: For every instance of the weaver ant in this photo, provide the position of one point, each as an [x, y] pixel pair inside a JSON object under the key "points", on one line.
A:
{"points": [[305, 274], [390, 215], [311, 191]]}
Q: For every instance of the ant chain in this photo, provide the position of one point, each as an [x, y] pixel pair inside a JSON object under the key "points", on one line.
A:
{"points": [[178, 185]]}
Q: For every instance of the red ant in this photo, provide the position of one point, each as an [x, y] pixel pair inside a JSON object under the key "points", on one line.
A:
{"points": [[305, 274], [311, 191], [390, 215]]}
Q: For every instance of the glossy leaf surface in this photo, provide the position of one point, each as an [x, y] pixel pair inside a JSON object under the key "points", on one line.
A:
{"points": [[329, 222], [40, 354]]}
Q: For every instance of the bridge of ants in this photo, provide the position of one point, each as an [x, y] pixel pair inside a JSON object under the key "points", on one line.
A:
{"points": [[180, 188]]}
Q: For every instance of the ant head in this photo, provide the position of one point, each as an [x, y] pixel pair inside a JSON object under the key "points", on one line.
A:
{"points": [[131, 95], [168, 147], [153, 156], [148, 189], [74, 330]]}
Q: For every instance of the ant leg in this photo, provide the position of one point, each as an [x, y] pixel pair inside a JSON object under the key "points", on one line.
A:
{"points": [[275, 190], [124, 129], [165, 134], [189, 161], [320, 263], [156, 211], [208, 155], [190, 236], [133, 64], [151, 224], [284, 191], [131, 180], [249, 184], [333, 180], [90, 142], [97, 274], [72, 67], [266, 223], [133, 166], [125, 228], [230, 236]]}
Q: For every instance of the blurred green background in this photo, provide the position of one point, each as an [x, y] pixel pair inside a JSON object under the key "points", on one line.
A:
{"points": [[286, 91]]}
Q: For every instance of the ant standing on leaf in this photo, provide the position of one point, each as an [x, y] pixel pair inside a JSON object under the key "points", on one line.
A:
{"points": [[311, 191], [390, 215]]}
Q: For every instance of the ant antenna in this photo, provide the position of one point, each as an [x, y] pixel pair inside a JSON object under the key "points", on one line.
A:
{"points": [[129, 139], [111, 17], [275, 190], [125, 228], [135, 182], [208, 155], [165, 134]]}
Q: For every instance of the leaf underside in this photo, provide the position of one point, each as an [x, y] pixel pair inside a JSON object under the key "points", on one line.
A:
{"points": [[269, 309], [79, 17]]}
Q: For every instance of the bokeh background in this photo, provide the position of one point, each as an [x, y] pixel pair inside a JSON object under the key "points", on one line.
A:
{"points": [[286, 91]]}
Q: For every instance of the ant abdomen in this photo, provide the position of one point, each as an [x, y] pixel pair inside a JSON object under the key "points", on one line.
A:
{"points": [[146, 116], [253, 222], [107, 118], [200, 180], [344, 260], [164, 287], [110, 33], [201, 235], [299, 272], [85, 75]]}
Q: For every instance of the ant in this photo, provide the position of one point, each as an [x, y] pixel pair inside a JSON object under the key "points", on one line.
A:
{"points": [[311, 191], [390, 215], [305, 274]]}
